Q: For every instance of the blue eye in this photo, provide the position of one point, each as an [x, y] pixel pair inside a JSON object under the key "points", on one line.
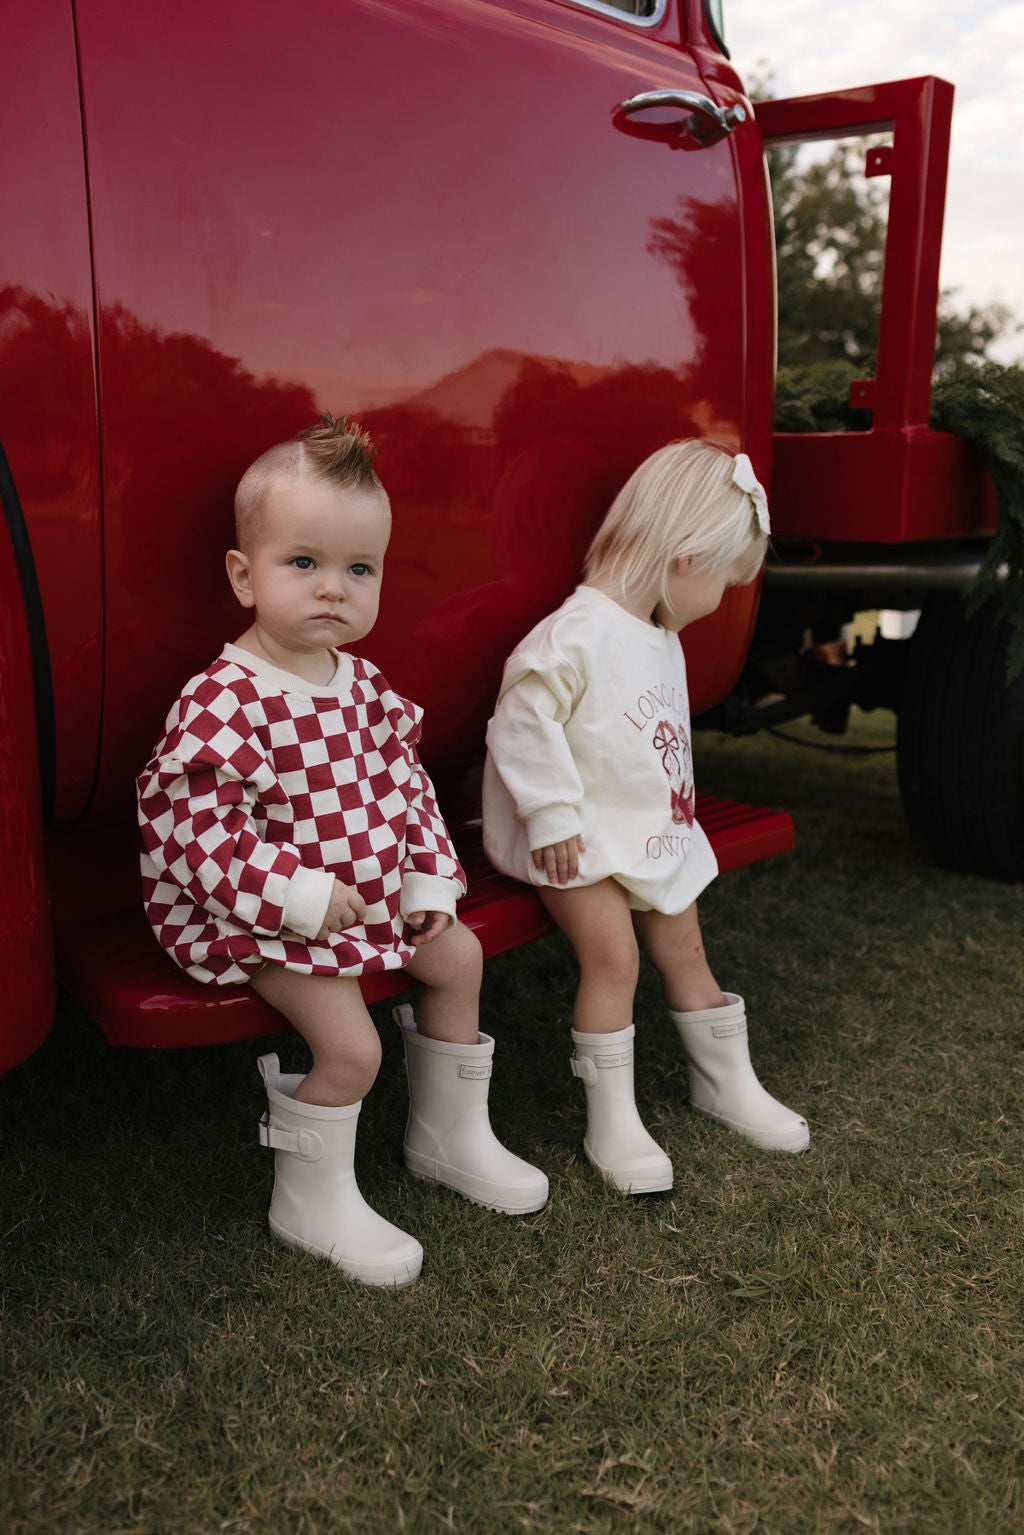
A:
{"points": [[360, 569], [302, 562]]}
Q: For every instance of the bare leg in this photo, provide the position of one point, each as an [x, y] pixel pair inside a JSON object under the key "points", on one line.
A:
{"points": [[330, 1014], [596, 921], [676, 950], [450, 968], [713, 1029], [448, 1138]]}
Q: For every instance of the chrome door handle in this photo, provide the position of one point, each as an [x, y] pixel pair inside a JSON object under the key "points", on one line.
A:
{"points": [[707, 123]]}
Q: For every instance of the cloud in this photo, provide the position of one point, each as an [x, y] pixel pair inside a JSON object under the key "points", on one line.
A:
{"points": [[818, 45]]}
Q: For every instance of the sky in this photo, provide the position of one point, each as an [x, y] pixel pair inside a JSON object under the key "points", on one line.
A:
{"points": [[806, 46]]}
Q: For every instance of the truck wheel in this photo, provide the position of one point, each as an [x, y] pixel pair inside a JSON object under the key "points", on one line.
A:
{"points": [[960, 742]]}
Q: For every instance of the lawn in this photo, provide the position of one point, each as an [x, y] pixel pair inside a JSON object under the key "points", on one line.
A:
{"points": [[824, 1343]]}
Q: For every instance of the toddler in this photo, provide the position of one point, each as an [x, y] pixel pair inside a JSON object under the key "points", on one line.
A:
{"points": [[292, 842], [588, 794]]}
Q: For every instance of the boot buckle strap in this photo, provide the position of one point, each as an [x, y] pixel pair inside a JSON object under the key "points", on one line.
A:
{"points": [[583, 1068], [305, 1144], [586, 1067]]}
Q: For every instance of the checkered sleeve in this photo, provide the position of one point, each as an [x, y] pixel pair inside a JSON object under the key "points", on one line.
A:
{"points": [[432, 878], [196, 798]]}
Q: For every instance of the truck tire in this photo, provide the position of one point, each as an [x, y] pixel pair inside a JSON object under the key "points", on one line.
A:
{"points": [[960, 742]]}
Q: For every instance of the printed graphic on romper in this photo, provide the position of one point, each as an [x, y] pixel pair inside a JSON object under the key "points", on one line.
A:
{"points": [[650, 716]]}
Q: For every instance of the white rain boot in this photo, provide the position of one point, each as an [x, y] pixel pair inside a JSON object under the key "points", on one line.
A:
{"points": [[316, 1204], [448, 1138], [616, 1142], [723, 1083]]}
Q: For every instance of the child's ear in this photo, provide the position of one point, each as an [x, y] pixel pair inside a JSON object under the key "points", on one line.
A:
{"points": [[681, 564], [240, 576]]}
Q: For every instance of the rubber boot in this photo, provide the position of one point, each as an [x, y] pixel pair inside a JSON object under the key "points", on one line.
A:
{"points": [[448, 1138], [316, 1204], [723, 1083], [616, 1142]]}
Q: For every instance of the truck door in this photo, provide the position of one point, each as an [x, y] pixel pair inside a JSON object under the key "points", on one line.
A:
{"points": [[438, 219], [50, 593]]}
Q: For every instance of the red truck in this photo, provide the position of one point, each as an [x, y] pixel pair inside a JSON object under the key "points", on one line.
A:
{"points": [[524, 242]]}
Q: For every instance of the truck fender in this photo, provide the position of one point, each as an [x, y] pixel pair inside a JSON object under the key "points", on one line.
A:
{"points": [[27, 979]]}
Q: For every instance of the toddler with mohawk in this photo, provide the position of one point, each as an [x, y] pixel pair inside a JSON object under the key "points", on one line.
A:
{"points": [[292, 842]]}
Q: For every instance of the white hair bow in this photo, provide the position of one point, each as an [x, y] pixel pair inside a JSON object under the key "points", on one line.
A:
{"points": [[743, 475]]}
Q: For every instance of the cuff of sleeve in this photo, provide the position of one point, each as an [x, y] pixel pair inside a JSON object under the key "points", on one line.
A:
{"points": [[427, 892], [555, 823], [305, 905]]}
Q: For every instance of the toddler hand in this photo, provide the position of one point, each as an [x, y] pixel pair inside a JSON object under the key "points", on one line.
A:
{"points": [[426, 925], [345, 908], [560, 861]]}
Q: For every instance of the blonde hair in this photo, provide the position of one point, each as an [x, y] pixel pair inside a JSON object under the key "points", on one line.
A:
{"points": [[335, 451], [680, 502]]}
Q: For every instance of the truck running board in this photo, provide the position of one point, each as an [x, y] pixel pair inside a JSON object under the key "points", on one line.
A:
{"points": [[109, 960]]}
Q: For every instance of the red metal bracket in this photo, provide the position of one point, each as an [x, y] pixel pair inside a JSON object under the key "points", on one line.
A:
{"points": [[899, 481], [919, 114]]}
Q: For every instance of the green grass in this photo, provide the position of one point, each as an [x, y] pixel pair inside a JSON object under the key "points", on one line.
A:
{"points": [[825, 1343]]}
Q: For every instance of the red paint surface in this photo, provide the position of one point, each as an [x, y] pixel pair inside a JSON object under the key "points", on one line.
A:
{"points": [[47, 388], [443, 233]]}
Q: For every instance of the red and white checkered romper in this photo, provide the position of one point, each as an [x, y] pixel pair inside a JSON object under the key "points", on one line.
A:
{"points": [[261, 783]]}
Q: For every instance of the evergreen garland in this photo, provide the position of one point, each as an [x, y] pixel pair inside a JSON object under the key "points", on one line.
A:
{"points": [[983, 402], [815, 397]]}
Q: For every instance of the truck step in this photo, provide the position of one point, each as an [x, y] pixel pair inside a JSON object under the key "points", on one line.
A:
{"points": [[109, 960]]}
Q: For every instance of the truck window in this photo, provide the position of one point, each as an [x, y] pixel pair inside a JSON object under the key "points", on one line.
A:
{"points": [[716, 23], [648, 12], [645, 11]]}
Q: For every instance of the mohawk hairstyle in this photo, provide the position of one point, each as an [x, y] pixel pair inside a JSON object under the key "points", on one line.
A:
{"points": [[336, 451], [340, 451]]}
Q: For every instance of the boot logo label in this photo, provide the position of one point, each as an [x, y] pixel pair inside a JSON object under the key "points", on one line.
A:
{"points": [[613, 1058], [475, 1073], [727, 1030]]}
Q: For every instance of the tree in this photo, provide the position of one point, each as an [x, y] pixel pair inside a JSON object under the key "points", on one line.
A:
{"points": [[830, 244]]}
